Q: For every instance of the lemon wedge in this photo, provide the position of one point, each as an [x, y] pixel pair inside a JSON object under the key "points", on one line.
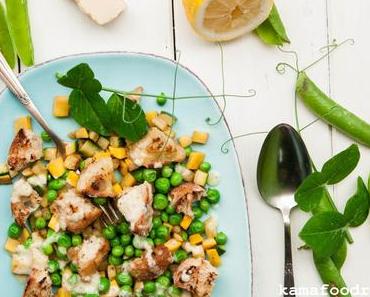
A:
{"points": [[221, 20]]}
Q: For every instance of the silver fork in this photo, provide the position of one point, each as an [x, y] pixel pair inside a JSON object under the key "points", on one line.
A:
{"points": [[14, 85], [111, 216]]}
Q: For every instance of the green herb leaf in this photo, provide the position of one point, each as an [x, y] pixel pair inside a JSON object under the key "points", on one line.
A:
{"points": [[90, 111], [81, 77], [128, 118], [272, 30], [324, 233], [341, 165], [311, 191], [357, 207]]}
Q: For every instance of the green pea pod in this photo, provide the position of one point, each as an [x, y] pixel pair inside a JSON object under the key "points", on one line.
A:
{"points": [[331, 112], [330, 275], [6, 43], [340, 256], [20, 30]]}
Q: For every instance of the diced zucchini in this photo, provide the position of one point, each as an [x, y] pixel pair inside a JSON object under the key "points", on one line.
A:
{"points": [[50, 153], [82, 133], [72, 162], [39, 168], [27, 172], [103, 143], [115, 141], [22, 123], [61, 106], [4, 169], [5, 179], [93, 136], [71, 148], [88, 149]]}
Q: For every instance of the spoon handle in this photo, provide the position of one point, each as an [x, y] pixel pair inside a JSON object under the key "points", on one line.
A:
{"points": [[288, 269]]}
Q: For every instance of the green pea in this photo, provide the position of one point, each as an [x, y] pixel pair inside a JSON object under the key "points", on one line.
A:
{"points": [[175, 219], [204, 205], [116, 261], [73, 279], [159, 241], [82, 165], [73, 267], [156, 222], [45, 136], [160, 202], [76, 239], [124, 279], [138, 253], [150, 241], [213, 196], [167, 171], [126, 289], [176, 179], [27, 244], [7, 47], [51, 195], [47, 249], [19, 26], [174, 291], [14, 231], [162, 185], [221, 238], [90, 295], [184, 235], [65, 241], [152, 234], [180, 255], [149, 287], [115, 242], [40, 223], [149, 175], [125, 239], [188, 150], [123, 228], [164, 217], [118, 251], [196, 227], [162, 232], [161, 99], [47, 215], [138, 175], [205, 166], [129, 251], [57, 184], [109, 232], [56, 279], [53, 266], [198, 213], [104, 285], [100, 201], [61, 253], [170, 209]]}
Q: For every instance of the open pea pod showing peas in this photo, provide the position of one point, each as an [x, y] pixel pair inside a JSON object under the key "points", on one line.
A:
{"points": [[331, 112], [6, 43], [19, 25]]}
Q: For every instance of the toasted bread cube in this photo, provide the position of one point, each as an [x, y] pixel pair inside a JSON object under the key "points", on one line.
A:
{"points": [[61, 107], [50, 153], [72, 162], [195, 159], [185, 141], [82, 133], [56, 167], [200, 137], [23, 123]]}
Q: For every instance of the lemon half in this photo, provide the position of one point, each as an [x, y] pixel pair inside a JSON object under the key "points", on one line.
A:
{"points": [[221, 20]]}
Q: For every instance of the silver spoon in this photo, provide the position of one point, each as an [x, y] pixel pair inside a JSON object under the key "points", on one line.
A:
{"points": [[283, 164], [14, 85]]}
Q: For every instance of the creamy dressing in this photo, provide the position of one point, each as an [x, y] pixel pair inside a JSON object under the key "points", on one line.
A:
{"points": [[142, 243], [81, 287], [89, 249]]}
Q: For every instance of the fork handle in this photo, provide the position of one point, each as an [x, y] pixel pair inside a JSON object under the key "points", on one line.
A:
{"points": [[11, 81]]}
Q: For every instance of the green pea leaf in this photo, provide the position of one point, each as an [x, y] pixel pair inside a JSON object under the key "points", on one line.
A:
{"points": [[272, 30], [325, 233], [90, 111], [340, 256], [341, 165], [311, 191], [357, 207], [128, 118]]}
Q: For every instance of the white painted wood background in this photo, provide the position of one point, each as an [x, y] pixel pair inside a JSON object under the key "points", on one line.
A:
{"points": [[59, 29]]}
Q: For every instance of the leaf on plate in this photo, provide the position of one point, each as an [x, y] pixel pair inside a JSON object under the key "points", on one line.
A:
{"points": [[272, 30], [128, 118], [341, 165], [311, 191], [90, 111], [357, 207], [325, 233]]}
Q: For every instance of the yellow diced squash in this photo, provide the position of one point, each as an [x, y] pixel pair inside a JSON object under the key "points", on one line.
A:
{"points": [[173, 245], [130, 165], [118, 152], [61, 107], [185, 222], [200, 137], [150, 115], [101, 155], [195, 159], [72, 178], [128, 180], [54, 223], [185, 141], [82, 133], [24, 235], [56, 167], [117, 189], [213, 257], [62, 292], [123, 168], [11, 245], [22, 123], [209, 243], [195, 239], [200, 177]]}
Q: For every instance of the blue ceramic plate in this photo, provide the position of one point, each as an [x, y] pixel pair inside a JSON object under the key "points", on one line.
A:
{"points": [[156, 74]]}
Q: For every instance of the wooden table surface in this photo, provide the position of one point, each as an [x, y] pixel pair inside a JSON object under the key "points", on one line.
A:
{"points": [[60, 29]]}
